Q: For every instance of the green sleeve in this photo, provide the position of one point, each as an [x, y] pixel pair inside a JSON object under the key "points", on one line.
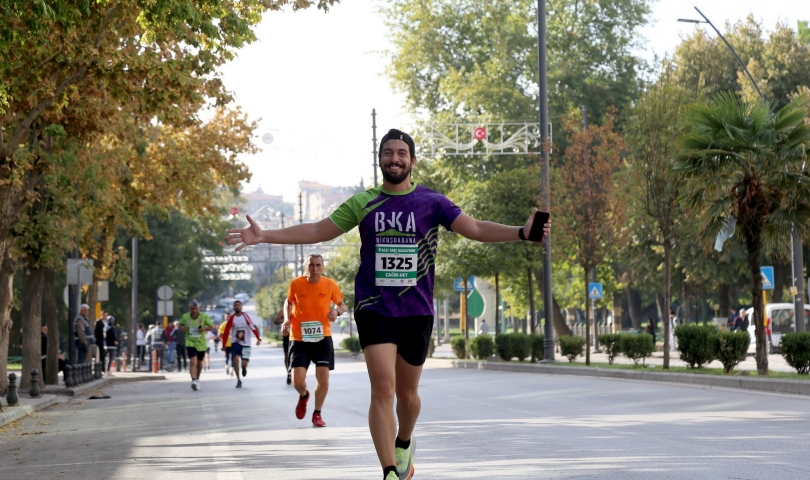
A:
{"points": [[349, 214]]}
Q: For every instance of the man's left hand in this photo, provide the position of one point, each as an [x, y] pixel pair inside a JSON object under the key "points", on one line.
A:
{"points": [[333, 314]]}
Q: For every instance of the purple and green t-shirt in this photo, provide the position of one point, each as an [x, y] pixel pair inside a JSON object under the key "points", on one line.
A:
{"points": [[399, 232]]}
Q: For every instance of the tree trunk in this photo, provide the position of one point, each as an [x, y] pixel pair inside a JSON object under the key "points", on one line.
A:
{"points": [[561, 328], [634, 306], [31, 324], [51, 316], [782, 275], [7, 269], [666, 303], [723, 300], [754, 260], [587, 322], [497, 305], [92, 300], [531, 301]]}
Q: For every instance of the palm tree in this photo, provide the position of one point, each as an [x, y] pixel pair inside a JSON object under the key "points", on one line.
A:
{"points": [[745, 160]]}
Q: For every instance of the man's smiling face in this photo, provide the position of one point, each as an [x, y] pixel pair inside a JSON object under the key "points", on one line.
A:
{"points": [[396, 161]]}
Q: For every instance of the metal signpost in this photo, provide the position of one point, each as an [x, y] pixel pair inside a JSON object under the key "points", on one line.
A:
{"points": [[595, 292]]}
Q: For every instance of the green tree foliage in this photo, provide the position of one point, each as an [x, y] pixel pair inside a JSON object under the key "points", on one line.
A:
{"points": [[746, 160], [343, 266], [779, 61], [477, 60]]}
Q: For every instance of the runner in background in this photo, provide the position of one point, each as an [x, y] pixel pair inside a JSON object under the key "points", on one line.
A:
{"points": [[226, 346], [239, 329], [309, 315], [195, 325], [285, 335]]}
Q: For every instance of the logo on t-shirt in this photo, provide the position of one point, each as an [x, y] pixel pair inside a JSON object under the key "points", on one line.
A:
{"points": [[393, 224]]}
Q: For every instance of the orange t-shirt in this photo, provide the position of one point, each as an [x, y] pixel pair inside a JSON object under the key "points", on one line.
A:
{"points": [[311, 303]]}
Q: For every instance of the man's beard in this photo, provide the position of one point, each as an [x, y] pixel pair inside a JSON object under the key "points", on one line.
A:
{"points": [[396, 179]]}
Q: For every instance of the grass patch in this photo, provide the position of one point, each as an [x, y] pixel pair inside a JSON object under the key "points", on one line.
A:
{"points": [[15, 367]]}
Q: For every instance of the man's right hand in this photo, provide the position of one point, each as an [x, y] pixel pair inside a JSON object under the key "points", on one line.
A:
{"points": [[243, 237]]}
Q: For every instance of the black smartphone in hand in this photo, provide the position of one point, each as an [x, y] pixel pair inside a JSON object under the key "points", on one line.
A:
{"points": [[540, 219]]}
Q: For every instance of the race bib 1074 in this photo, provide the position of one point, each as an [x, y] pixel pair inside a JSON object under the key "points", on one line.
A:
{"points": [[312, 331], [395, 265]]}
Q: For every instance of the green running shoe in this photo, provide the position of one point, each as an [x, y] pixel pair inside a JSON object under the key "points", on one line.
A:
{"points": [[405, 460], [391, 476]]}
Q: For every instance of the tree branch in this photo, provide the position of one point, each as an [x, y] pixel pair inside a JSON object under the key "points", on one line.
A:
{"points": [[31, 71]]}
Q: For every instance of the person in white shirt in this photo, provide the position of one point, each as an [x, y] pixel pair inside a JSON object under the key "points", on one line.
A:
{"points": [[140, 343], [241, 330]]}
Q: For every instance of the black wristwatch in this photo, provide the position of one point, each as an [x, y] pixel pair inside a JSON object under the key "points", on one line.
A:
{"points": [[521, 235]]}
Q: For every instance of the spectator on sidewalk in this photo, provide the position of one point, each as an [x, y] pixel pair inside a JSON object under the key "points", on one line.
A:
{"points": [[673, 322], [111, 342], [651, 328], [140, 344], [483, 329], [82, 334], [179, 338], [44, 348], [741, 323], [170, 346], [156, 339], [732, 320]]}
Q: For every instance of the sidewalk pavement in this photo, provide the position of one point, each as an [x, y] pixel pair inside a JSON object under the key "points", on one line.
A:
{"points": [[776, 362], [25, 407]]}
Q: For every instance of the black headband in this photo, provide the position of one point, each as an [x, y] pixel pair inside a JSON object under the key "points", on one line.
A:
{"points": [[395, 134]]}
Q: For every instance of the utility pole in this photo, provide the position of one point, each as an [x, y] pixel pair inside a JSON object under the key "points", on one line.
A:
{"points": [[283, 256], [374, 141], [134, 319], [300, 258], [545, 204]]}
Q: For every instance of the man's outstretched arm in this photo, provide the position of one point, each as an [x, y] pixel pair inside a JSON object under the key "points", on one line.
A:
{"points": [[306, 234], [491, 232]]}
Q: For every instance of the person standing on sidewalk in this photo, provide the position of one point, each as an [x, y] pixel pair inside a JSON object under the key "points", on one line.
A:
{"points": [[140, 344], [111, 342], [82, 335], [100, 333], [156, 339], [170, 346], [179, 338], [195, 324]]}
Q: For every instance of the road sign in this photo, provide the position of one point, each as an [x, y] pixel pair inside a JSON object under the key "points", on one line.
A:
{"points": [[103, 290], [267, 138], [165, 292], [79, 271], [595, 291], [234, 211], [165, 308], [476, 305], [767, 277], [458, 284], [480, 133]]}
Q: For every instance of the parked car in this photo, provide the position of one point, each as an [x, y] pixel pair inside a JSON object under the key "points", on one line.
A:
{"points": [[782, 321], [242, 297]]}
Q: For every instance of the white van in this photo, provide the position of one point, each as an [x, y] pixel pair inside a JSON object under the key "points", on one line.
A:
{"points": [[782, 321]]}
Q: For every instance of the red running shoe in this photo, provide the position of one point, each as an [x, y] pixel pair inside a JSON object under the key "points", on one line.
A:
{"points": [[301, 408], [317, 421]]}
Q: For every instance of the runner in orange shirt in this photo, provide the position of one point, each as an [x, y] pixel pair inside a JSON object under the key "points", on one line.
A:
{"points": [[307, 318]]}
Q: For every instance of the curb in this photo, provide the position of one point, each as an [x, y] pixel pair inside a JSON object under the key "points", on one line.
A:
{"points": [[80, 389], [795, 387], [26, 407]]}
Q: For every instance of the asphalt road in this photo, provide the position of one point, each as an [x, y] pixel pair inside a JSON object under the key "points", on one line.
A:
{"points": [[474, 424]]}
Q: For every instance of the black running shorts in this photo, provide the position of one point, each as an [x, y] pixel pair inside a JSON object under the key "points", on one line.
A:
{"points": [[410, 334], [322, 353], [193, 352]]}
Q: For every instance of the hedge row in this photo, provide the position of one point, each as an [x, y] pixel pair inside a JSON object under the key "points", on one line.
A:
{"points": [[635, 347], [699, 345]]}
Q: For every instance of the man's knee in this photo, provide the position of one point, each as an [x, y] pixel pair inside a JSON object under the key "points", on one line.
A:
{"points": [[383, 390], [322, 375], [407, 396]]}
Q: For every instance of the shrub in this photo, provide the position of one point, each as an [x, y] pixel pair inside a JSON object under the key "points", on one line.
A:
{"points": [[730, 348], [637, 347], [538, 350], [572, 346], [482, 347], [611, 343], [459, 345], [693, 343], [795, 348], [503, 346], [521, 345], [351, 344]]}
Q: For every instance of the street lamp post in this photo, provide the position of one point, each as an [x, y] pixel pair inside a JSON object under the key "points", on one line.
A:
{"points": [[796, 260], [542, 56]]}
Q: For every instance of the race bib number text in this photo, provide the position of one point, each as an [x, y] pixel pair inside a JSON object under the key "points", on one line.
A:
{"points": [[312, 331], [395, 265]]}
